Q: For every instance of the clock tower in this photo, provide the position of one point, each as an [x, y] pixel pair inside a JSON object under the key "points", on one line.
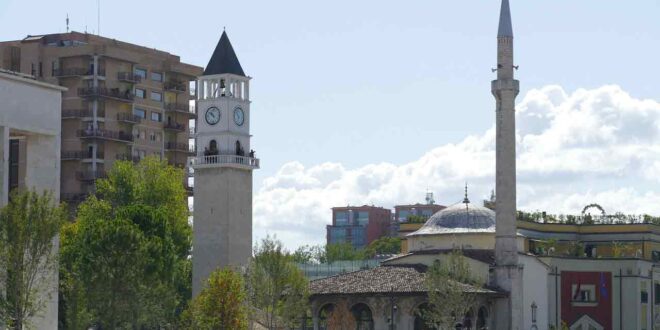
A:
{"points": [[222, 216]]}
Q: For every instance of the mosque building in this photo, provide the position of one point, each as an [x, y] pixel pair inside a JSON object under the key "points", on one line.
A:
{"points": [[532, 272]]}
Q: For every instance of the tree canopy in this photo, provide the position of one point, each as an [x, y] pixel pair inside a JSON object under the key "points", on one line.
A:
{"points": [[29, 224], [220, 305], [125, 260]]}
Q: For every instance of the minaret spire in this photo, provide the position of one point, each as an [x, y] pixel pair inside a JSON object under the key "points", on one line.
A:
{"points": [[508, 273], [506, 28]]}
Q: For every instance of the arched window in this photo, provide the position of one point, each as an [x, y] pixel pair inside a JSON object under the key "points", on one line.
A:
{"points": [[363, 317], [213, 146], [482, 318], [420, 322], [324, 315], [238, 148]]}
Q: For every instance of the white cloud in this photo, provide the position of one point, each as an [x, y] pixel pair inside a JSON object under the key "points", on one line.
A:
{"points": [[599, 145]]}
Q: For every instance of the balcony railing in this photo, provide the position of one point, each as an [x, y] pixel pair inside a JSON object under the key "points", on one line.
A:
{"points": [[81, 113], [105, 134], [128, 157], [80, 154], [129, 77], [174, 126], [73, 197], [180, 108], [111, 93], [181, 147], [90, 175], [129, 118], [75, 72], [174, 86], [226, 159]]}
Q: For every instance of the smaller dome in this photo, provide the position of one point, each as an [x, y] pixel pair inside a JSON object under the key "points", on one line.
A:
{"points": [[459, 218]]}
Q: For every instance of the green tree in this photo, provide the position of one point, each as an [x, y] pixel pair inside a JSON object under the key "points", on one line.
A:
{"points": [[29, 224], [276, 286], [384, 245], [125, 262], [343, 251], [449, 286], [220, 305], [416, 219], [309, 254]]}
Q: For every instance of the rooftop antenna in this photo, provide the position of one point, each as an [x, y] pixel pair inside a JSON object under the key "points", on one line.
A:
{"points": [[429, 197], [466, 201], [67, 22], [98, 16]]}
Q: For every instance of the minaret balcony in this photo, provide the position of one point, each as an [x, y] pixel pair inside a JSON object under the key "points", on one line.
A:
{"points": [[505, 85], [225, 161]]}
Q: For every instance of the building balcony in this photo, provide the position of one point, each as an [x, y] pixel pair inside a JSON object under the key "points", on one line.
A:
{"points": [[81, 113], [109, 93], [128, 157], [174, 86], [90, 175], [229, 160], [76, 72], [105, 135], [129, 77], [181, 108], [80, 154], [129, 118], [174, 126], [179, 147], [73, 197]]}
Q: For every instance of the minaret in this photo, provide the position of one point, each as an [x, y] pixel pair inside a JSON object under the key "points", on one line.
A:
{"points": [[222, 218], [508, 274]]}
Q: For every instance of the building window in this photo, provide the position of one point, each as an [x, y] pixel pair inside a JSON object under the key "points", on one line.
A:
{"points": [[583, 295], [140, 113], [156, 116], [140, 93], [156, 76], [341, 218], [141, 72], [152, 136], [156, 96], [362, 218]]}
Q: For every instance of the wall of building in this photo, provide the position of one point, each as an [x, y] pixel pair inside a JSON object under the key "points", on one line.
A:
{"points": [[30, 111]]}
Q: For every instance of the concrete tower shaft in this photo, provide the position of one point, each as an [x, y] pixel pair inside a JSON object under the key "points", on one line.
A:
{"points": [[505, 89]]}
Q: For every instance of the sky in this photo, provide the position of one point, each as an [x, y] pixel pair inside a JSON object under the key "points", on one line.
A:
{"points": [[374, 102]]}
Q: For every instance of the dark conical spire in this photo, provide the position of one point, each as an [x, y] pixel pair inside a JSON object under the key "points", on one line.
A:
{"points": [[224, 59], [505, 30]]}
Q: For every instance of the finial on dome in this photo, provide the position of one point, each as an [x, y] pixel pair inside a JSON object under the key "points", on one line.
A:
{"points": [[466, 200]]}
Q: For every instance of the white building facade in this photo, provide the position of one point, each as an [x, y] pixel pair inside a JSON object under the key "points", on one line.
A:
{"points": [[30, 128]]}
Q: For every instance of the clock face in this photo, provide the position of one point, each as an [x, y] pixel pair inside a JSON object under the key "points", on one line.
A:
{"points": [[239, 116], [212, 115]]}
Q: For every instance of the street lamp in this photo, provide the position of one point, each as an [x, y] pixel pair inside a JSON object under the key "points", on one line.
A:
{"points": [[393, 308]]}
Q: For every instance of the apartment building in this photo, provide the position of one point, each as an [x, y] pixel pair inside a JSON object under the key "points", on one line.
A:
{"points": [[358, 225], [124, 102]]}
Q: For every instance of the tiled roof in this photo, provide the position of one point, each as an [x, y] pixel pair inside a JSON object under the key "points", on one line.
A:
{"points": [[399, 279]]}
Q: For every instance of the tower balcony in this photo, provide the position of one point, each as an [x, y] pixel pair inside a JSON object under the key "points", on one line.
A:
{"points": [[129, 118], [225, 160], [76, 72], [105, 135], [80, 154], [179, 147], [81, 114], [109, 93], [90, 175], [180, 108], [129, 77], [174, 126], [128, 157], [174, 86]]}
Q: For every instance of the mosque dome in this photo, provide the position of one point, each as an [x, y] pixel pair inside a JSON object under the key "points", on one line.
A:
{"points": [[461, 218]]}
